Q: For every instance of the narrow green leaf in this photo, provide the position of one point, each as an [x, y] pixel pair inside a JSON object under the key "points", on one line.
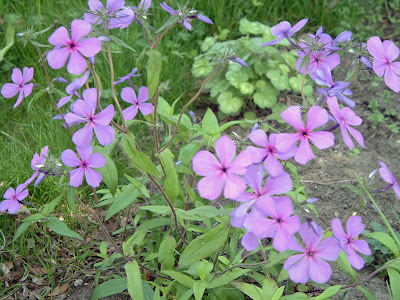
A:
{"points": [[21, 229], [296, 296], [210, 123], [153, 70], [366, 293], [170, 21], [134, 280], [198, 289], [278, 293], [204, 245], [181, 278], [386, 240], [9, 39], [108, 288], [345, 266], [120, 43], [329, 292], [171, 181], [36, 96], [61, 228], [33, 218], [227, 278], [109, 171], [270, 286], [140, 160], [394, 277], [124, 199], [166, 248], [49, 207], [139, 185], [71, 197], [251, 290], [148, 293]]}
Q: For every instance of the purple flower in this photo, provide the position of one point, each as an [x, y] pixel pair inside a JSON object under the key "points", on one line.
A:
{"points": [[71, 88], [389, 178], [348, 241], [20, 85], [268, 154], [311, 263], [280, 225], [318, 60], [74, 46], [118, 16], [221, 174], [384, 54], [334, 89], [37, 163], [84, 165], [83, 111], [185, 15], [129, 95], [284, 30], [14, 198], [127, 77], [346, 117], [316, 117]]}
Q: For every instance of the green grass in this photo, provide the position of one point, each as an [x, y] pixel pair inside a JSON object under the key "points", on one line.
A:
{"points": [[28, 128]]}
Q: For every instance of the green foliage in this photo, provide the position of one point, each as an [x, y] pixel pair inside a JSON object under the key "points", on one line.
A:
{"points": [[383, 112], [269, 71]]}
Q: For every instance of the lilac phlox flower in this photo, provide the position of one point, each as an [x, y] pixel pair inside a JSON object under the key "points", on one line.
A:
{"points": [[334, 89], [20, 85], [73, 46], [318, 34], [342, 37], [116, 13], [346, 117], [269, 153], [14, 198], [88, 160], [84, 111], [127, 77], [316, 117], [318, 59], [349, 243], [284, 30], [37, 163], [129, 96], [311, 263], [279, 225], [71, 89], [185, 15], [389, 178], [384, 54], [223, 174]]}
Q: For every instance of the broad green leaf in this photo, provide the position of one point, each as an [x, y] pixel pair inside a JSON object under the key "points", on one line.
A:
{"points": [[49, 207], [21, 229], [103, 250], [154, 223], [166, 249], [134, 280], [201, 67], [108, 288], [248, 27], [246, 88], [198, 289], [329, 292], [394, 277], [278, 293], [296, 296], [226, 278], [187, 152], [61, 228], [153, 70], [254, 292], [171, 181], [386, 240], [204, 268], [278, 79], [181, 278], [296, 82], [139, 185], [120, 42], [9, 39], [128, 195], [266, 97], [109, 172], [210, 123], [345, 266], [229, 104], [71, 197], [140, 160], [270, 287], [236, 78], [148, 293], [204, 245]]}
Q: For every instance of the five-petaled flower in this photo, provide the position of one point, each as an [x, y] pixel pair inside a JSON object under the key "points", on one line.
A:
{"points": [[284, 30], [348, 241], [20, 85], [71, 88], [14, 198], [74, 46], [316, 117], [88, 160], [311, 263], [221, 174], [129, 95], [389, 178], [384, 54], [84, 111], [127, 77], [37, 163], [346, 117]]}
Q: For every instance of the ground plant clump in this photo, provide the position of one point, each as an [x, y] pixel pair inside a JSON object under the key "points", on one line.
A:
{"points": [[148, 196]]}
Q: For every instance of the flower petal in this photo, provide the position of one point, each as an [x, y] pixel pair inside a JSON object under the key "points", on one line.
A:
{"points": [[97, 160], [320, 271], [298, 268], [316, 117], [77, 63], [328, 249], [93, 177], [225, 149], [57, 58], [76, 177], [60, 37], [27, 75], [250, 241], [391, 50], [337, 229], [146, 108], [9, 90], [105, 134], [304, 154], [257, 154], [79, 29], [89, 47], [84, 136], [292, 116], [205, 164], [129, 95], [241, 162], [322, 139], [298, 26], [234, 186], [130, 112], [210, 187], [69, 158], [105, 116], [392, 80], [259, 137], [277, 185], [375, 48], [254, 176]]}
